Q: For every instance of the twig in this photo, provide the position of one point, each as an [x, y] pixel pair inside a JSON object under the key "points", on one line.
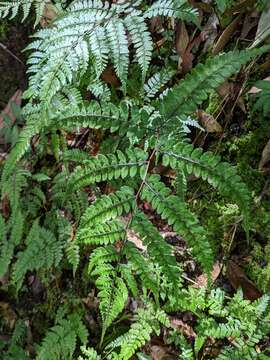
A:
{"points": [[4, 47]]}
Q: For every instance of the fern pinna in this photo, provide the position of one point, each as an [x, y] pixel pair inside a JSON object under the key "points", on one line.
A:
{"points": [[66, 214]]}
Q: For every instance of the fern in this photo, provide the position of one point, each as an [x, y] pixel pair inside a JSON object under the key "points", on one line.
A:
{"points": [[172, 8], [89, 354], [209, 167], [60, 340], [12, 7], [107, 167], [146, 322], [158, 249], [177, 215], [42, 251]]}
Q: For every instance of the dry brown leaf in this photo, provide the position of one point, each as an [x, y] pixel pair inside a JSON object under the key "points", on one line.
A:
{"points": [[202, 280], [134, 238], [182, 38], [238, 279], [109, 76], [48, 15], [17, 99], [183, 327], [226, 35], [255, 90], [161, 353], [8, 314], [265, 156], [251, 20], [209, 123]]}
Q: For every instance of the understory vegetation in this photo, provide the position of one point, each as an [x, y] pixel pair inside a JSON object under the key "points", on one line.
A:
{"points": [[135, 214]]}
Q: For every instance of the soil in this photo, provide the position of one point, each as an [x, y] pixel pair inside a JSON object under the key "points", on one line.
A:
{"points": [[13, 39]]}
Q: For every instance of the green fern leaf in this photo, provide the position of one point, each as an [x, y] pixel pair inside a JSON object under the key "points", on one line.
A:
{"points": [[160, 252], [108, 167], [183, 221]]}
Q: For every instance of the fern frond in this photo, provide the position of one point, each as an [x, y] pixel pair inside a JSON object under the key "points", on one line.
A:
{"points": [[16, 224], [113, 294], [209, 167], [142, 267], [156, 82], [42, 251], [108, 207], [60, 340], [183, 221], [12, 7], [172, 8], [146, 322], [103, 234], [141, 39], [87, 29], [89, 354], [108, 167], [160, 252], [73, 255], [184, 97]]}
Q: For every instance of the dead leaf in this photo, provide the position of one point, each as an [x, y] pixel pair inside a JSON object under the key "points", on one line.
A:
{"points": [[263, 30], [255, 90], [183, 327], [226, 35], [109, 76], [17, 99], [238, 279], [202, 280], [161, 353], [181, 38], [8, 314], [210, 30], [265, 156], [49, 13], [209, 123], [250, 21], [134, 238]]}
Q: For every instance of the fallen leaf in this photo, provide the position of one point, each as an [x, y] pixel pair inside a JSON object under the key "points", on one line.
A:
{"points": [[226, 35], [109, 76], [161, 353], [183, 327], [255, 90], [263, 30], [5, 207], [250, 21], [49, 13], [265, 156], [8, 314], [238, 279], [17, 99], [209, 123], [134, 238], [210, 30], [181, 38], [202, 280]]}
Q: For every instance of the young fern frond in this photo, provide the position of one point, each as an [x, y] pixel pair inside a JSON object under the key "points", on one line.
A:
{"points": [[177, 214]]}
